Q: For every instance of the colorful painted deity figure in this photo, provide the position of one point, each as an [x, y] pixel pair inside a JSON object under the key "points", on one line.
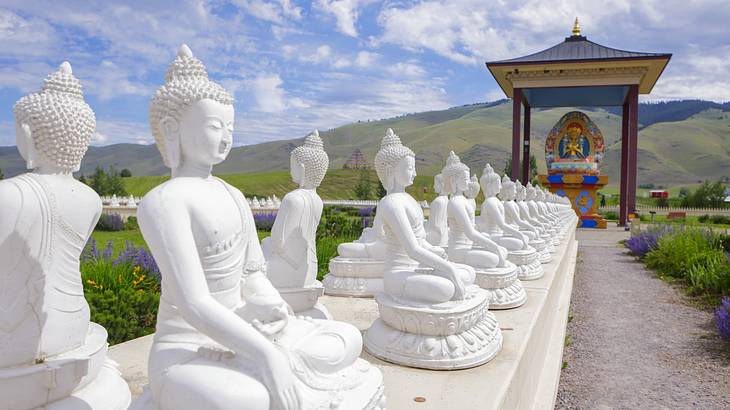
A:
{"points": [[574, 145]]}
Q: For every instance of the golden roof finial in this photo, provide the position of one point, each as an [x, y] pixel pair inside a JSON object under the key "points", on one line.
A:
{"points": [[576, 27]]}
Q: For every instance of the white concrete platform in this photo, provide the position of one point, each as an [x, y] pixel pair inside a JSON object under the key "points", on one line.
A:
{"points": [[524, 375]]}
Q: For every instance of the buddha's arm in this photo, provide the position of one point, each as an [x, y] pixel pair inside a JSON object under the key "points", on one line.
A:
{"points": [[510, 229], [286, 224], [10, 206], [397, 219], [165, 226], [513, 210], [461, 217]]}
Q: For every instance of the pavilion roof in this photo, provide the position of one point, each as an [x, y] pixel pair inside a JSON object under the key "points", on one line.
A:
{"points": [[578, 63]]}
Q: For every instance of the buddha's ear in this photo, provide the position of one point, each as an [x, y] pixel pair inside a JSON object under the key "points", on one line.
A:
{"points": [[170, 128], [26, 146]]}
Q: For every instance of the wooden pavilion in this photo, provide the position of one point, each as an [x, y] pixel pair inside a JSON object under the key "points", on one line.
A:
{"points": [[579, 72]]}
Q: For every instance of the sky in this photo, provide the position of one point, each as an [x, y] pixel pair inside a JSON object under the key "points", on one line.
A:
{"points": [[295, 66]]}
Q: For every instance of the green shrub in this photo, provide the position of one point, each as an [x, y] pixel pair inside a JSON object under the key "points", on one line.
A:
{"points": [[326, 250], [695, 256], [610, 215], [125, 313]]}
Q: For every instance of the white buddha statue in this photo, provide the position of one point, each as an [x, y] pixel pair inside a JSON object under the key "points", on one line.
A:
{"points": [[255, 203], [225, 338], [131, 202], [437, 232], [431, 314], [114, 203], [291, 250], [543, 228], [536, 212], [469, 246], [358, 268], [493, 223], [512, 216], [472, 191], [51, 355]]}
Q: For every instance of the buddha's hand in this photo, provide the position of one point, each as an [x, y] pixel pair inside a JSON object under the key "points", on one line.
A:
{"points": [[439, 251], [525, 241], [279, 380], [279, 319], [502, 253], [459, 288]]}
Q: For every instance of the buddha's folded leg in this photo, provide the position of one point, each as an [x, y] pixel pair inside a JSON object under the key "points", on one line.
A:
{"points": [[420, 287], [195, 382], [530, 235], [481, 259], [509, 242], [326, 346]]}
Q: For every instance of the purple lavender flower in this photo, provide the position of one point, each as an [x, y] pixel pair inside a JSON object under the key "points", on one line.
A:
{"points": [[265, 221], [364, 212], [647, 241], [722, 317], [90, 252], [138, 257], [108, 251]]}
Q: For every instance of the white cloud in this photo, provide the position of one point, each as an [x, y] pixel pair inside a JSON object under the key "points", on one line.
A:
{"points": [[407, 69], [268, 93], [366, 59], [345, 13], [114, 131]]}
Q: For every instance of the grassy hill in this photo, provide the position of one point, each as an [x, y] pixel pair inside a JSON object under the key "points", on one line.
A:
{"points": [[338, 184], [679, 143]]}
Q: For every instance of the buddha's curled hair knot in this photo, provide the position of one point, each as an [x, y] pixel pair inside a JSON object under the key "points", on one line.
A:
{"points": [[60, 121], [186, 82], [391, 151], [315, 159], [453, 166]]}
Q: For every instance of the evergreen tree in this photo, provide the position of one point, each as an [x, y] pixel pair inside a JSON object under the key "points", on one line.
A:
{"points": [[2, 176], [126, 173], [364, 188], [107, 182]]}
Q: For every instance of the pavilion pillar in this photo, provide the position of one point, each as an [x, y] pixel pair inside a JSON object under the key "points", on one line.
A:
{"points": [[516, 111], [526, 147], [633, 146], [623, 185]]}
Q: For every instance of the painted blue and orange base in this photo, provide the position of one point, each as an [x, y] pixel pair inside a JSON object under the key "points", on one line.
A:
{"points": [[582, 190]]}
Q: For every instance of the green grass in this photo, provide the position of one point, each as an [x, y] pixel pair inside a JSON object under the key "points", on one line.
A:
{"points": [[338, 184]]}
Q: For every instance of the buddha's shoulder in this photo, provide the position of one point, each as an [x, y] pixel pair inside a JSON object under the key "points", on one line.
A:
{"points": [[9, 193], [172, 193]]}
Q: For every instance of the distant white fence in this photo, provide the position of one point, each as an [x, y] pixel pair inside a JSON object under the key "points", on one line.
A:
{"points": [[358, 203], [645, 209]]}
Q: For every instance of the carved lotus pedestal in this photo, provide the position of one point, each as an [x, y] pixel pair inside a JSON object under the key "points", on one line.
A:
{"points": [[357, 277], [543, 254], [528, 263], [82, 378], [503, 285], [447, 336], [304, 301]]}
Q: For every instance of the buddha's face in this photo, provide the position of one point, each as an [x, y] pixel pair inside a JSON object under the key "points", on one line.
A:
{"points": [[510, 191], [460, 181], [405, 171], [206, 132], [472, 189]]}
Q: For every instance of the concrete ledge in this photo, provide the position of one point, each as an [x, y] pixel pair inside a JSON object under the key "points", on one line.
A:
{"points": [[524, 375]]}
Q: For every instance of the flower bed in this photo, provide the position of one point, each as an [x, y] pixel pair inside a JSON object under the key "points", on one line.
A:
{"points": [[697, 257]]}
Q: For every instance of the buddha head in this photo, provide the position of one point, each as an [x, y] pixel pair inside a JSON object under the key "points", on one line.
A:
{"points": [[519, 191], [395, 163], [438, 184], [530, 192], [456, 175], [473, 188], [191, 117], [309, 162], [509, 189], [53, 127], [491, 182]]}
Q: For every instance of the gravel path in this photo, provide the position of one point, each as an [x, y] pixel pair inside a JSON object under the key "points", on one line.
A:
{"points": [[636, 342]]}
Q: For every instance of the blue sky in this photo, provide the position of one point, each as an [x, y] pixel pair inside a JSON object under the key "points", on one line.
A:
{"points": [[294, 66]]}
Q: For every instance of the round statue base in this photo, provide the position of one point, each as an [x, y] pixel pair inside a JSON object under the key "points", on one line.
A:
{"points": [[303, 301], [80, 378], [354, 277], [448, 336], [503, 286], [528, 263]]}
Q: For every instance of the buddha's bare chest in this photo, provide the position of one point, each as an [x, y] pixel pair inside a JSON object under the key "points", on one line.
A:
{"points": [[215, 218]]}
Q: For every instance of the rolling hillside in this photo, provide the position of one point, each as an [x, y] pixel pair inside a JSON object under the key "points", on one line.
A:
{"points": [[683, 142]]}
